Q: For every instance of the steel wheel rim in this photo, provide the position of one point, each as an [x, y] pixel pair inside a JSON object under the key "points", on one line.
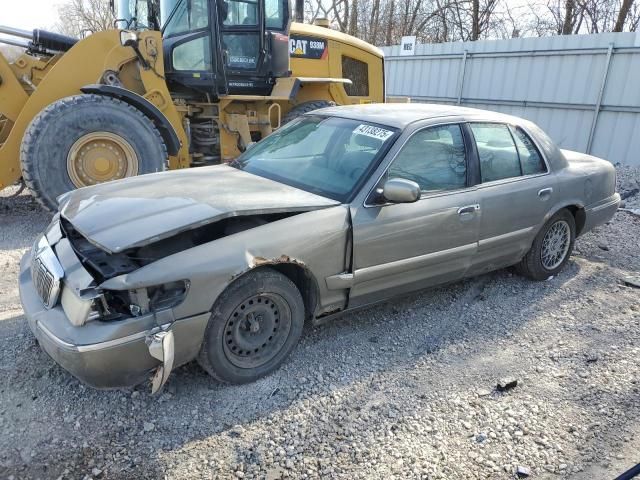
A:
{"points": [[101, 157], [257, 330], [555, 245]]}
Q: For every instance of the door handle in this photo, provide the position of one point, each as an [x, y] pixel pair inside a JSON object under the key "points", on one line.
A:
{"points": [[468, 209], [545, 193]]}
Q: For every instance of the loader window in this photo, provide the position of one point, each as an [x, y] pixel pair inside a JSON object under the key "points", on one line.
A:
{"points": [[274, 14], [194, 55], [185, 20], [239, 12], [358, 72], [242, 50]]}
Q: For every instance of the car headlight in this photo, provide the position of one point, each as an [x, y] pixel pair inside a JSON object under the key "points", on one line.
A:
{"points": [[116, 304]]}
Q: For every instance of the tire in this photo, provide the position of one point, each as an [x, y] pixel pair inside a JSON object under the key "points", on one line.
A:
{"points": [[306, 107], [533, 265], [53, 135], [242, 342]]}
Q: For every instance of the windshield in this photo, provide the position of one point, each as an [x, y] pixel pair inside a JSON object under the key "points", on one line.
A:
{"points": [[134, 14], [329, 156], [166, 7]]}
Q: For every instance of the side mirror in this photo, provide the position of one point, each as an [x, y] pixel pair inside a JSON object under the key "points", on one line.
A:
{"points": [[400, 190]]}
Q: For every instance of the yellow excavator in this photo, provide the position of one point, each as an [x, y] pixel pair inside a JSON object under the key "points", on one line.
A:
{"points": [[176, 84]]}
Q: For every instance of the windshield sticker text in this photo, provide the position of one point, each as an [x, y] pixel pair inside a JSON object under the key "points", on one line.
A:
{"points": [[373, 132]]}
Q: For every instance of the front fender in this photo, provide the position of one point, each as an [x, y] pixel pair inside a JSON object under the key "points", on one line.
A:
{"points": [[317, 239]]}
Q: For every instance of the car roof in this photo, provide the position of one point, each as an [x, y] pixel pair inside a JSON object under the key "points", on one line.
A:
{"points": [[399, 115]]}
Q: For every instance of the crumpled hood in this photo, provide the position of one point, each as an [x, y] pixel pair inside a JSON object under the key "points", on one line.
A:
{"points": [[140, 210]]}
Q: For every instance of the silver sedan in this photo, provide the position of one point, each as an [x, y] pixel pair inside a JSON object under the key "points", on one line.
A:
{"points": [[341, 208]]}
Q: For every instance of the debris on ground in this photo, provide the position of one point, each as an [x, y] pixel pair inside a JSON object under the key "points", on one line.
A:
{"points": [[506, 383], [400, 390]]}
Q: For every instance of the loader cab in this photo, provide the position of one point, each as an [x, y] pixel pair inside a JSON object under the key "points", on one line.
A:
{"points": [[225, 47]]}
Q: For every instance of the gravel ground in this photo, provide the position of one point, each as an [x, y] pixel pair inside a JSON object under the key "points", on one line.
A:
{"points": [[405, 389]]}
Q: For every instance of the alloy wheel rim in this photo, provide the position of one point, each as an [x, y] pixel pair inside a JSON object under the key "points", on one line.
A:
{"points": [[257, 330], [555, 245], [101, 157]]}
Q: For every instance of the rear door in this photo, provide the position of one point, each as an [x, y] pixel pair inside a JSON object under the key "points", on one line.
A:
{"points": [[403, 247], [516, 191]]}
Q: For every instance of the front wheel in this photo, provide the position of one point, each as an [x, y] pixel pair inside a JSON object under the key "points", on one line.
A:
{"points": [[85, 140], [551, 248], [253, 328]]}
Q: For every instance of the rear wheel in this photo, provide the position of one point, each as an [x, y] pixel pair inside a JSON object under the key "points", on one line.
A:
{"points": [[85, 140], [551, 248], [305, 107], [254, 326]]}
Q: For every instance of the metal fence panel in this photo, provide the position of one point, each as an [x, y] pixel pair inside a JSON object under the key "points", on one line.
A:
{"points": [[584, 90]]}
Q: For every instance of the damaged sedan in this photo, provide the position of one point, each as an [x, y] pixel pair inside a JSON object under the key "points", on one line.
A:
{"points": [[339, 209]]}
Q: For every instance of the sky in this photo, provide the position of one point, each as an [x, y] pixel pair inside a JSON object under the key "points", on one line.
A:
{"points": [[29, 14]]}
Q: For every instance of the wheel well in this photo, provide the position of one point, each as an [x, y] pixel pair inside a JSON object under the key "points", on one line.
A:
{"points": [[579, 216], [304, 280]]}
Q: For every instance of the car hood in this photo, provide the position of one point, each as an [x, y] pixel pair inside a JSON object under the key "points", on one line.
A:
{"points": [[137, 211]]}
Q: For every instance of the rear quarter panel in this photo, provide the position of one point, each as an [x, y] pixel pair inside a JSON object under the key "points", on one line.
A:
{"points": [[585, 182], [595, 176]]}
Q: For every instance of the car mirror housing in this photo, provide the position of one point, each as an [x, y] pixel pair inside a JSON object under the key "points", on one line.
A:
{"points": [[400, 190]]}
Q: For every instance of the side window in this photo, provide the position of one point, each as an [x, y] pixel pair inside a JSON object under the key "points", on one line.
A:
{"points": [[358, 73], [498, 155], [530, 157], [434, 158]]}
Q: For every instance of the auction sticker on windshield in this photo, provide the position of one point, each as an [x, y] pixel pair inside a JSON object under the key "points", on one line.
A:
{"points": [[373, 132]]}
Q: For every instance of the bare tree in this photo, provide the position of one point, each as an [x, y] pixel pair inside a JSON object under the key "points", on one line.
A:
{"points": [[384, 22], [625, 8], [79, 16], [315, 9], [569, 17]]}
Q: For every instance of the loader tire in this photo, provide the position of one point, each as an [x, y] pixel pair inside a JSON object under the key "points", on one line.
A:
{"points": [[306, 107], [84, 140]]}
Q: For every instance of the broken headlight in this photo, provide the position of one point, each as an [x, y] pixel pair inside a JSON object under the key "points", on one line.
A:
{"points": [[143, 300], [110, 305]]}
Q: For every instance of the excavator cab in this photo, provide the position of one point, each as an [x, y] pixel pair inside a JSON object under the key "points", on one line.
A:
{"points": [[217, 47]]}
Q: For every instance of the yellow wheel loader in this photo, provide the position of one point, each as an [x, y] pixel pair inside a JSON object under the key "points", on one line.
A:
{"points": [[178, 83]]}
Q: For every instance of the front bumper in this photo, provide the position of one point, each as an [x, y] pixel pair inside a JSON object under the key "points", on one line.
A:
{"points": [[104, 354]]}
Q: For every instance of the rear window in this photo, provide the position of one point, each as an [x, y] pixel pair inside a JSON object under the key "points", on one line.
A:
{"points": [[530, 157]]}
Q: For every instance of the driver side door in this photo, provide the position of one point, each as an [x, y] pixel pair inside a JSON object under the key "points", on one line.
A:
{"points": [[408, 246]]}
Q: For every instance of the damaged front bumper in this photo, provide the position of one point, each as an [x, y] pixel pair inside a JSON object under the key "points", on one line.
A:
{"points": [[113, 354]]}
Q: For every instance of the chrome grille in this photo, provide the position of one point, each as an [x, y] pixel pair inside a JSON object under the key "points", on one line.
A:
{"points": [[46, 272], [43, 281]]}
